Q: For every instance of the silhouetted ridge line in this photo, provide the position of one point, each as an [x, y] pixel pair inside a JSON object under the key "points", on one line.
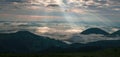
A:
{"points": [[94, 31], [117, 33], [26, 42]]}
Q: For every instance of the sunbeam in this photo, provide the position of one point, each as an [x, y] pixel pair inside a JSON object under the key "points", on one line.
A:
{"points": [[69, 17]]}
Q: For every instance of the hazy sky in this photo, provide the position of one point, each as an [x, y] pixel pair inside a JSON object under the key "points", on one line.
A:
{"points": [[69, 10], [78, 15]]}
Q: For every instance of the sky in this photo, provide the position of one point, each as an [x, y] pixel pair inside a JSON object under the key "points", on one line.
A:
{"points": [[36, 10], [103, 12], [57, 18]]}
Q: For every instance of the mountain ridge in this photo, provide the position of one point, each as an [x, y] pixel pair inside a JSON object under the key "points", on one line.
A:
{"points": [[24, 41], [94, 31], [101, 32], [27, 42], [117, 33]]}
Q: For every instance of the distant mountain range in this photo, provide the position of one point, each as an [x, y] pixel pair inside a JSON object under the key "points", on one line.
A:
{"points": [[100, 31], [94, 31], [27, 42]]}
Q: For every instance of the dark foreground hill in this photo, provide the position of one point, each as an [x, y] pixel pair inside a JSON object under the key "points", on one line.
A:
{"points": [[24, 41], [27, 42], [111, 52]]}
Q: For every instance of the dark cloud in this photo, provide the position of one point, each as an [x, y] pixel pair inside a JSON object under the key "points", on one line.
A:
{"points": [[115, 0], [101, 1], [13, 1]]}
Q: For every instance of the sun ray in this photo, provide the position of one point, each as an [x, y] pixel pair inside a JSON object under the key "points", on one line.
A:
{"points": [[71, 18]]}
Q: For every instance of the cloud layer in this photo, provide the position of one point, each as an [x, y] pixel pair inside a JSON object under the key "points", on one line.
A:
{"points": [[66, 2]]}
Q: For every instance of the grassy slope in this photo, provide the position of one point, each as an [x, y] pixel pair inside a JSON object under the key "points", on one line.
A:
{"points": [[103, 53]]}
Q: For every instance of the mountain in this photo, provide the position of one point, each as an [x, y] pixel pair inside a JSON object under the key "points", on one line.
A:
{"points": [[94, 31], [88, 47], [26, 42], [94, 46], [117, 33]]}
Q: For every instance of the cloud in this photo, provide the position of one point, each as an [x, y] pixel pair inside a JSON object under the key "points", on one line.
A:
{"points": [[43, 29], [77, 10], [59, 31], [14, 0], [114, 29], [59, 34], [74, 30], [55, 30], [89, 38], [29, 17], [35, 4], [116, 9], [115, 1]]}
